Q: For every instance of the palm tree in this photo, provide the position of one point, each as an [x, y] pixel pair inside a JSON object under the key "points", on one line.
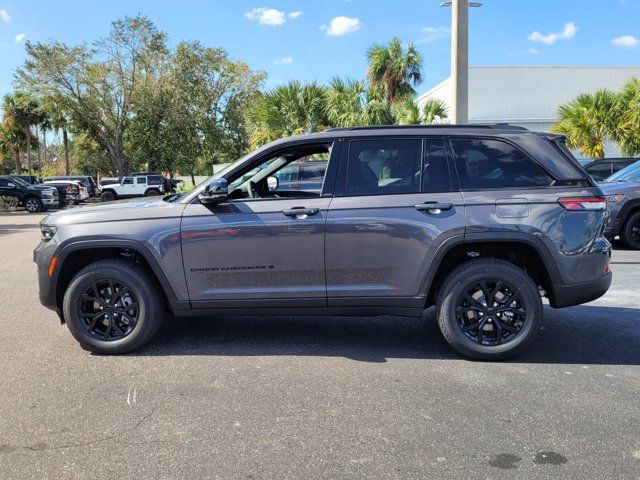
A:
{"points": [[409, 113], [588, 121], [394, 71], [351, 103], [626, 130], [21, 112], [58, 120], [434, 110], [290, 109]]}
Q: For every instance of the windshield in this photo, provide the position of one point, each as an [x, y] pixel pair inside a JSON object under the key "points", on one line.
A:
{"points": [[627, 174], [20, 182]]}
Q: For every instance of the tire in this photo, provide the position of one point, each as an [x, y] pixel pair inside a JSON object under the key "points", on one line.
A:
{"points": [[107, 196], [151, 193], [145, 294], [488, 343], [630, 233], [33, 205]]}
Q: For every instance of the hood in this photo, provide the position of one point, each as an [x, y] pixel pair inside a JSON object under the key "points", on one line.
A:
{"points": [[141, 208], [42, 187], [619, 187]]}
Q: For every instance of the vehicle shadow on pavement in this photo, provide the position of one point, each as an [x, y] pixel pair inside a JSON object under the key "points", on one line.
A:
{"points": [[577, 335]]}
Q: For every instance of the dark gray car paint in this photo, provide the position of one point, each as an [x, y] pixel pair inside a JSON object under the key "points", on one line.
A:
{"points": [[378, 250]]}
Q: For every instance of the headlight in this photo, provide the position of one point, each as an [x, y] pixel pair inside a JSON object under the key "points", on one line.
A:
{"points": [[615, 198], [48, 231]]}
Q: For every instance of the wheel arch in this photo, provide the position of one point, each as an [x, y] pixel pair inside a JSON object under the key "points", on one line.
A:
{"points": [[522, 250], [75, 256]]}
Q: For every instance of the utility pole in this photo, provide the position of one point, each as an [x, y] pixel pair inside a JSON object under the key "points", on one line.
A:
{"points": [[459, 108]]}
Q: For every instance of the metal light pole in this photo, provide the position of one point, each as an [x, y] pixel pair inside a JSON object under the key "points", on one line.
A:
{"points": [[460, 59]]}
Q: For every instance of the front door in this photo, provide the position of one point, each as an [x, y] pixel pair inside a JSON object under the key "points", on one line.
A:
{"points": [[263, 247], [396, 205]]}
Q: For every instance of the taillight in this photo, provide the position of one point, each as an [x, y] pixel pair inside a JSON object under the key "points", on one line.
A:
{"points": [[582, 204]]}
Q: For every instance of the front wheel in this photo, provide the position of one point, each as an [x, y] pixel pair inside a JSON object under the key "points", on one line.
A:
{"points": [[113, 306], [33, 205], [630, 234], [489, 309], [106, 197]]}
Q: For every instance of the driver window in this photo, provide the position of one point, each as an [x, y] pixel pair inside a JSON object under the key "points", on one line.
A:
{"points": [[282, 175], [127, 181]]}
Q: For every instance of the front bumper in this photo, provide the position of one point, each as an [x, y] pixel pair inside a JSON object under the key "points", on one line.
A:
{"points": [[42, 257], [575, 294]]}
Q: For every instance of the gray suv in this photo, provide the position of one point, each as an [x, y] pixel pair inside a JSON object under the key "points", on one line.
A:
{"points": [[480, 221], [623, 197]]}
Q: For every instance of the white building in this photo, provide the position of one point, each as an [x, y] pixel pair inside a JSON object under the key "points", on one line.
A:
{"points": [[530, 96]]}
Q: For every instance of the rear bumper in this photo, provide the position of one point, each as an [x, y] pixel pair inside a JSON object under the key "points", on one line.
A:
{"points": [[575, 294]]}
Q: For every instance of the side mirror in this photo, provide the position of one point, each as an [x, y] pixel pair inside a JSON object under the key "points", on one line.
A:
{"points": [[273, 183], [11, 185], [216, 192]]}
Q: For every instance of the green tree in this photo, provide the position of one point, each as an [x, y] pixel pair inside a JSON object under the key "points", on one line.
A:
{"points": [[351, 103], [393, 70], [290, 109], [97, 83], [626, 128], [588, 121]]}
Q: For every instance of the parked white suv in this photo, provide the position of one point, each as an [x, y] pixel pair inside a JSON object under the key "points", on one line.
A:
{"points": [[133, 186]]}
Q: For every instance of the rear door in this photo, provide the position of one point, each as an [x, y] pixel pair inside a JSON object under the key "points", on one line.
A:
{"points": [[395, 204]]}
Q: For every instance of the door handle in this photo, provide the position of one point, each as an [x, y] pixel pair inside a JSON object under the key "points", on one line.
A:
{"points": [[300, 212], [433, 207]]}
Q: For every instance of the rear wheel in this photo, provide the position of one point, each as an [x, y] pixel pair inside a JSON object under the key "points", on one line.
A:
{"points": [[107, 196], [33, 205], [489, 309], [151, 193], [113, 306], [630, 234]]}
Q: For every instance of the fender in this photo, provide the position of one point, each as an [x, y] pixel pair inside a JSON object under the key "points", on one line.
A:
{"points": [[626, 208], [91, 244], [471, 238]]}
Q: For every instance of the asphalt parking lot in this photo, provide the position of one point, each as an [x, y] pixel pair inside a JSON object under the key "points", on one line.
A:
{"points": [[292, 397]]}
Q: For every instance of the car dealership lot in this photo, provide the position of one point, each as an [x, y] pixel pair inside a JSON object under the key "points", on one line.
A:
{"points": [[291, 397]]}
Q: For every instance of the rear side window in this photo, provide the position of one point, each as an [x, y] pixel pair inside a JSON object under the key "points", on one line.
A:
{"points": [[382, 167], [494, 164], [155, 180]]}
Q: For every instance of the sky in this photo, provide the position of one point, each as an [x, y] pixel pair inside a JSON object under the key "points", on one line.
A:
{"points": [[319, 39]]}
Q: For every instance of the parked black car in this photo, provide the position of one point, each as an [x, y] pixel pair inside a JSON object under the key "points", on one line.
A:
{"points": [[68, 190], [601, 169], [33, 198], [86, 181], [62, 193], [30, 179]]}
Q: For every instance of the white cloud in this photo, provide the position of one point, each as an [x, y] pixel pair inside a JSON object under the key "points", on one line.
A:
{"points": [[266, 16], [341, 26], [568, 31], [533, 51], [431, 34], [625, 41], [294, 15], [283, 60], [4, 16], [20, 37]]}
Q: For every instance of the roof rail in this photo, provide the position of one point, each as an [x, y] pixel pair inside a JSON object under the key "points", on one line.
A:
{"points": [[495, 126]]}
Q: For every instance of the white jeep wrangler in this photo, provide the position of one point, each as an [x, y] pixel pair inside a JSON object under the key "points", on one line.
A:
{"points": [[133, 186]]}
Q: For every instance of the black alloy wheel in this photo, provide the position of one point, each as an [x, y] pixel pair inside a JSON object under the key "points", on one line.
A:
{"points": [[490, 312], [108, 310]]}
